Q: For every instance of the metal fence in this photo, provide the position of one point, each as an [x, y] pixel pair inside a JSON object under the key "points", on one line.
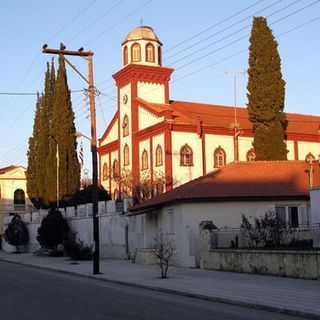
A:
{"points": [[303, 237]]}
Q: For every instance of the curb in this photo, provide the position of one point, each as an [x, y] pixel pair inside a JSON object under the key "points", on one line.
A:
{"points": [[265, 307]]}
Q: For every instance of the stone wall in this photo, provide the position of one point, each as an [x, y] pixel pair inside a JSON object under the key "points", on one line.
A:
{"points": [[289, 263]]}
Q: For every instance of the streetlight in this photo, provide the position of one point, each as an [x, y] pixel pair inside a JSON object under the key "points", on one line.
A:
{"points": [[58, 162]]}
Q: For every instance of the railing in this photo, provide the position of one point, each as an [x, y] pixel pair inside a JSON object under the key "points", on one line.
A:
{"points": [[307, 236]]}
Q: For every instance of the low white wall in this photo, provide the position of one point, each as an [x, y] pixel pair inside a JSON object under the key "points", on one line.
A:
{"points": [[112, 226]]}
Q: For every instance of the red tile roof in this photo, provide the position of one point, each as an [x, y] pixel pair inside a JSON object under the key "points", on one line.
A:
{"points": [[223, 116], [7, 169], [243, 181]]}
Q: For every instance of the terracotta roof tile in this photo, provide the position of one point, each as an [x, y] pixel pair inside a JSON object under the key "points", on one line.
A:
{"points": [[243, 181], [223, 116]]}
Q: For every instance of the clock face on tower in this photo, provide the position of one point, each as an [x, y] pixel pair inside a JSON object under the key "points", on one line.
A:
{"points": [[125, 99]]}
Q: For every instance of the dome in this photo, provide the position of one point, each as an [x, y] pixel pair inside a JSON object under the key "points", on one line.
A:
{"points": [[141, 33]]}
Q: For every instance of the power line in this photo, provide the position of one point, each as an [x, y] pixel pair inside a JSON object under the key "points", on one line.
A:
{"points": [[213, 26], [118, 22], [95, 21], [227, 28], [30, 93], [247, 35]]}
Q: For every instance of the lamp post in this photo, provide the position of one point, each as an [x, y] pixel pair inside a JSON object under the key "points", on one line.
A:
{"points": [[58, 163]]}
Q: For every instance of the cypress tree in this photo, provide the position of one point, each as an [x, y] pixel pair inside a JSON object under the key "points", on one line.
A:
{"points": [[63, 129], [266, 94], [33, 156]]}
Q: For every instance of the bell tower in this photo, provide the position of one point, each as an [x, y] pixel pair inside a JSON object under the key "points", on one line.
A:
{"points": [[142, 77]]}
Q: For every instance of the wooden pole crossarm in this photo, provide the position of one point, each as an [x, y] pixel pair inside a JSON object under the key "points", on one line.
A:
{"points": [[68, 52]]}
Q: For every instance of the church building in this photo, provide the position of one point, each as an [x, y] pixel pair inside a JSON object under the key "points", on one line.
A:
{"points": [[153, 135]]}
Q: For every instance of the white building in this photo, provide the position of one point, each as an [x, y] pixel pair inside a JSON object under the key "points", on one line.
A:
{"points": [[151, 134], [249, 188], [13, 196]]}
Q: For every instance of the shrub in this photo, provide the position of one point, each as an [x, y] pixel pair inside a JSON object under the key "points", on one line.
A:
{"points": [[54, 229], [76, 249], [265, 232], [16, 233], [163, 251]]}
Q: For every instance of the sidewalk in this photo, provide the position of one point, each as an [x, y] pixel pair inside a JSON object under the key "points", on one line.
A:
{"points": [[293, 296]]}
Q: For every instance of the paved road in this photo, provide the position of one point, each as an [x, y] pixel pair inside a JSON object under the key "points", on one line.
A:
{"points": [[29, 293]]}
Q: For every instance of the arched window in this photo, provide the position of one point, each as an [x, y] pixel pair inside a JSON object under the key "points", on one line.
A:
{"points": [[126, 155], [150, 52], [159, 161], [125, 126], [144, 160], [310, 157], [19, 200], [115, 168], [251, 155], [219, 157], [105, 172], [159, 56], [186, 156], [125, 55], [135, 52]]}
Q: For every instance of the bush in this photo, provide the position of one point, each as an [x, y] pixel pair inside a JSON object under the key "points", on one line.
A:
{"points": [[265, 232], [54, 229], [16, 233], [76, 249], [84, 196]]}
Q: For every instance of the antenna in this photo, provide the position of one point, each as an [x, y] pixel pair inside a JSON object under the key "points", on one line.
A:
{"points": [[235, 125]]}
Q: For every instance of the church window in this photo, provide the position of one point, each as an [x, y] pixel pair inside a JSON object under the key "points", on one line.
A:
{"points": [[105, 172], [126, 155], [186, 156], [251, 155], [150, 52], [144, 160], [219, 157], [125, 55], [115, 168], [125, 126], [159, 56], [135, 52], [310, 157], [159, 161]]}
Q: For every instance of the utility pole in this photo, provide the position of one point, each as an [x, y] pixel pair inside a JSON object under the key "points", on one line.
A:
{"points": [[235, 125], [91, 90]]}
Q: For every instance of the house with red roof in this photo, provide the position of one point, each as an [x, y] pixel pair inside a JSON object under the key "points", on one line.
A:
{"points": [[151, 135], [222, 196]]}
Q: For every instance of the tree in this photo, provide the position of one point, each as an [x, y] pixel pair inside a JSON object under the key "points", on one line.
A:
{"points": [[163, 250], [16, 234], [139, 187], [63, 130], [40, 167], [266, 94], [54, 229]]}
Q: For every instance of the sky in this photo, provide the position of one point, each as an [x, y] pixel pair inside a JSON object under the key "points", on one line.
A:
{"points": [[202, 40]]}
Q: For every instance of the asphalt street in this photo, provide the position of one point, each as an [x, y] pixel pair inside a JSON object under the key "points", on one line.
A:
{"points": [[37, 294]]}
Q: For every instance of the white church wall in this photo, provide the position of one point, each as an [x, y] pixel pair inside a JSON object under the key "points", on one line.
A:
{"points": [[244, 145], [305, 147], [114, 156], [125, 109], [158, 140], [183, 174], [112, 136], [104, 160], [152, 92], [147, 119], [290, 148], [214, 141], [144, 145]]}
